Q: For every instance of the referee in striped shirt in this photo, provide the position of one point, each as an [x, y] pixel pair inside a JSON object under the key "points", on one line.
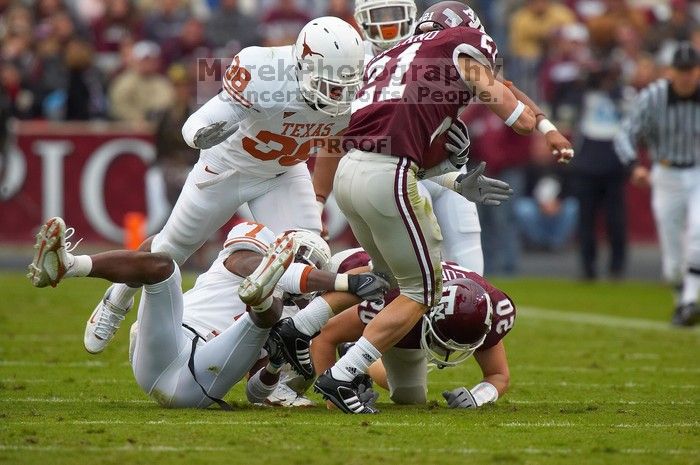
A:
{"points": [[666, 119]]}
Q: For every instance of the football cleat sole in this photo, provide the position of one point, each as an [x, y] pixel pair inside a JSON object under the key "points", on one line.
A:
{"points": [[260, 284], [47, 267]]}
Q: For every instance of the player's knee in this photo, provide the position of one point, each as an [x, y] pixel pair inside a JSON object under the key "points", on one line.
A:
{"points": [[409, 395], [160, 268], [176, 252]]}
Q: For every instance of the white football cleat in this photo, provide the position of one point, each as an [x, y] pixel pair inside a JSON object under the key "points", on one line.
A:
{"points": [[104, 323], [260, 284], [52, 258], [284, 396]]}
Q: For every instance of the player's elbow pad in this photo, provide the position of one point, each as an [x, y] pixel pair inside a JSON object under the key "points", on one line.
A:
{"points": [[189, 130]]}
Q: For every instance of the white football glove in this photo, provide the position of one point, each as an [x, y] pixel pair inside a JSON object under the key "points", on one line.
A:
{"points": [[476, 187], [214, 134], [460, 398], [458, 143]]}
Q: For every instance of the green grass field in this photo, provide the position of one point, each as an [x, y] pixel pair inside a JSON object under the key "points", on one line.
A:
{"points": [[598, 377]]}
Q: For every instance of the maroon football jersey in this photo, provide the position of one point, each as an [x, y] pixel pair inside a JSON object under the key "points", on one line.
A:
{"points": [[412, 92], [503, 309]]}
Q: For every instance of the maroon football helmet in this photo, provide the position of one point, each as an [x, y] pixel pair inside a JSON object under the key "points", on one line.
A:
{"points": [[458, 325], [446, 15]]}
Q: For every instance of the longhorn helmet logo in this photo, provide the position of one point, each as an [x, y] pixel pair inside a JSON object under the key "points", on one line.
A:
{"points": [[307, 50]]}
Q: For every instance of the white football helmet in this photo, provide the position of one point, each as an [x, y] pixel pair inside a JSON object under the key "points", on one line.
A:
{"points": [[330, 60], [310, 248], [386, 22]]}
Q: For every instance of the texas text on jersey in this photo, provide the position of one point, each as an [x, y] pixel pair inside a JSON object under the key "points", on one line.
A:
{"points": [[281, 129], [412, 92]]}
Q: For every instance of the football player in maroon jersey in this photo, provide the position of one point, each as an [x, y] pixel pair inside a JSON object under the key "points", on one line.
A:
{"points": [[473, 317], [411, 94]]}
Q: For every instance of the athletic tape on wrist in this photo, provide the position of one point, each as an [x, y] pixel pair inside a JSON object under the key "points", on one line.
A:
{"points": [[546, 126], [516, 114], [342, 282], [484, 393], [294, 280]]}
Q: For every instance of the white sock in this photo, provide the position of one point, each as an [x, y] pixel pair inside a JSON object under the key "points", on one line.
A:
{"points": [[691, 287], [356, 361], [256, 390], [122, 295], [78, 265], [311, 319]]}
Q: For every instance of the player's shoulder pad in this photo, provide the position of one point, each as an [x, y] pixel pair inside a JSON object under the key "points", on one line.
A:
{"points": [[255, 74], [475, 44], [344, 261], [250, 236]]}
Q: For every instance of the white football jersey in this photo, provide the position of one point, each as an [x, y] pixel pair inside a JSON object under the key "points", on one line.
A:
{"points": [[212, 305], [281, 130], [369, 52]]}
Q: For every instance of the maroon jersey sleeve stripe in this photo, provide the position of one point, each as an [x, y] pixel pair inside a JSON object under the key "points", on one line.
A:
{"points": [[470, 51], [413, 228]]}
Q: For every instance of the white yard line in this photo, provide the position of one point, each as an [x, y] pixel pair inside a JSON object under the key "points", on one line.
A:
{"points": [[628, 384], [601, 320], [77, 400], [543, 368], [70, 381], [29, 363], [563, 384], [583, 369], [516, 424], [355, 448]]}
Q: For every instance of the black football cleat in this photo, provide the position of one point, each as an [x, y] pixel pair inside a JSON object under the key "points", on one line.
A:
{"points": [[343, 348], [345, 394], [294, 346], [686, 315]]}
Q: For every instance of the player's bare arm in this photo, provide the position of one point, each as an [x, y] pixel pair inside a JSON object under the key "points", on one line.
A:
{"points": [[515, 113], [494, 366], [345, 289], [346, 326], [559, 145], [294, 334]]}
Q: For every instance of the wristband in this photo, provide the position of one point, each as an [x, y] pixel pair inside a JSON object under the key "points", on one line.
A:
{"points": [[546, 126], [320, 205], [516, 114], [294, 280], [449, 180], [484, 393], [341, 282]]}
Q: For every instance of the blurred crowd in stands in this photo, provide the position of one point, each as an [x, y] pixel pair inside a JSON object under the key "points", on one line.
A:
{"points": [[135, 61]]}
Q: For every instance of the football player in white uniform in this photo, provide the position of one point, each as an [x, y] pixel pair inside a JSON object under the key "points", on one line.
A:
{"points": [[277, 107], [189, 350]]}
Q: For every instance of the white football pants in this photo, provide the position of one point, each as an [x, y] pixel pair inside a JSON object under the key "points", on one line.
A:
{"points": [[163, 346], [208, 201], [676, 207], [459, 224], [407, 375]]}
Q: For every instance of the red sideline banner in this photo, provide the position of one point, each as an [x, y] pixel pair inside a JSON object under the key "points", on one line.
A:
{"points": [[93, 174], [90, 174]]}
